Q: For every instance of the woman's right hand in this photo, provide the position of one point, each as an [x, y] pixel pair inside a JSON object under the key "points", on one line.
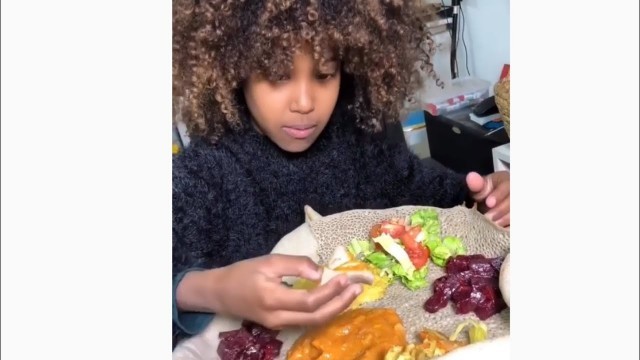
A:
{"points": [[252, 289]]}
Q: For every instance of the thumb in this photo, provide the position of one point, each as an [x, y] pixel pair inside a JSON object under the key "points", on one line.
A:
{"points": [[479, 186], [289, 265]]}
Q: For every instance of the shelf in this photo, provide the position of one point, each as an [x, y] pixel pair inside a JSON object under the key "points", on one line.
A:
{"points": [[502, 157]]}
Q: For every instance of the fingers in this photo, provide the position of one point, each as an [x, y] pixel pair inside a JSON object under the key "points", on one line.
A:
{"points": [[281, 298], [500, 211], [288, 265], [498, 195], [363, 277], [323, 314], [480, 187], [504, 221]]}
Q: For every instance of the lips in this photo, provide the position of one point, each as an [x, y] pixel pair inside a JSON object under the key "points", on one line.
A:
{"points": [[299, 131]]}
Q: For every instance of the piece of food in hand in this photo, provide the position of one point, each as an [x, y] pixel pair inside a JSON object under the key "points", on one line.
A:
{"points": [[505, 279], [355, 276], [370, 292], [340, 256], [364, 334], [374, 284]]}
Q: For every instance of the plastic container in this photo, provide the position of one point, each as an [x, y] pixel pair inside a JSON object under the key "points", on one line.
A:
{"points": [[415, 134], [462, 93]]}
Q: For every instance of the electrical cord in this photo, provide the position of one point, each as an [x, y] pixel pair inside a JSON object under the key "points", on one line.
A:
{"points": [[464, 43]]}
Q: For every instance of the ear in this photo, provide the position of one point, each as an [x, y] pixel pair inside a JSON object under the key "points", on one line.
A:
{"points": [[310, 214]]}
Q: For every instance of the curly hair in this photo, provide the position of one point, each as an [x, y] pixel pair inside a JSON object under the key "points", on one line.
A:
{"points": [[382, 46]]}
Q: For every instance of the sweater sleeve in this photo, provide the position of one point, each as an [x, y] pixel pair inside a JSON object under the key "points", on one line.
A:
{"points": [[405, 179], [196, 215]]}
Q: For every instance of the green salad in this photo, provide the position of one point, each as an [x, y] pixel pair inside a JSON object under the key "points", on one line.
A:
{"points": [[403, 247]]}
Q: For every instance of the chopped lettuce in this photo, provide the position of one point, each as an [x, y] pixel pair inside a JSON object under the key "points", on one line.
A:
{"points": [[380, 260], [427, 219], [440, 248], [397, 266], [416, 280], [440, 255], [451, 246], [360, 248], [455, 245], [432, 242]]}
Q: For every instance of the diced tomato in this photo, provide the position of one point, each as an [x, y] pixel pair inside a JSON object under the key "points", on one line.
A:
{"points": [[419, 255], [375, 231], [409, 238], [393, 230]]}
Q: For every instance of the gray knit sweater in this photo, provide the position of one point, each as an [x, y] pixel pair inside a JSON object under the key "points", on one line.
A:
{"points": [[234, 200]]}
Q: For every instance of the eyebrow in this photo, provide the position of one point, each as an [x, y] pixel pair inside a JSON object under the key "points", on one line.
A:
{"points": [[329, 65]]}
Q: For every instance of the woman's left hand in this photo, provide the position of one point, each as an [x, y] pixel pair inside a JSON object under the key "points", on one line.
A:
{"points": [[492, 193]]}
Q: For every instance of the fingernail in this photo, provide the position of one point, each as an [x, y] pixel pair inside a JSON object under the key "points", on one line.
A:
{"points": [[358, 290], [491, 201]]}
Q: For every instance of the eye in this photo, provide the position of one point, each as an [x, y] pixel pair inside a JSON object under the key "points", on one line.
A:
{"points": [[280, 78], [324, 77]]}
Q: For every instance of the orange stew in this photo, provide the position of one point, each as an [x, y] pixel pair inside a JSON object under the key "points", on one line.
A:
{"points": [[365, 334]]}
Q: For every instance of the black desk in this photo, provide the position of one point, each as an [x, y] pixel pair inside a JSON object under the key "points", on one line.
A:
{"points": [[461, 144]]}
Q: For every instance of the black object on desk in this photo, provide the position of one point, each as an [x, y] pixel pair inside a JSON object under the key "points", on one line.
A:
{"points": [[486, 107], [462, 145]]}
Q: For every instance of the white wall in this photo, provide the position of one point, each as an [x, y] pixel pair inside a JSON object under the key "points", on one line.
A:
{"points": [[487, 28], [486, 34]]}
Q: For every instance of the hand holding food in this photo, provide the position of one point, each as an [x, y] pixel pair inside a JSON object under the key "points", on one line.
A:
{"points": [[373, 284], [253, 290]]}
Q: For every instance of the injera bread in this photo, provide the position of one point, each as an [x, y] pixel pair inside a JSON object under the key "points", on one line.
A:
{"points": [[479, 235]]}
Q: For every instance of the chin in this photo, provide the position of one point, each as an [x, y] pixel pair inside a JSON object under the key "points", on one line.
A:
{"points": [[295, 146]]}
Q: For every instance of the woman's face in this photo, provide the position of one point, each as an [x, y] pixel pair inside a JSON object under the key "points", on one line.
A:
{"points": [[294, 110]]}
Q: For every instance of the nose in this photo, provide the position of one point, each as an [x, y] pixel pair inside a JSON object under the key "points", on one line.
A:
{"points": [[303, 99]]}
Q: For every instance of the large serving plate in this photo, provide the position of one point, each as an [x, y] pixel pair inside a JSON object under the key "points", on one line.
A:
{"points": [[318, 237]]}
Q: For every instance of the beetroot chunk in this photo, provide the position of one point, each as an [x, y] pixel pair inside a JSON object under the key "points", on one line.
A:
{"points": [[251, 342], [472, 284], [436, 302]]}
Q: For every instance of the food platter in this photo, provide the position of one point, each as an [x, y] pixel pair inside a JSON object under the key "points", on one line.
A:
{"points": [[319, 237]]}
